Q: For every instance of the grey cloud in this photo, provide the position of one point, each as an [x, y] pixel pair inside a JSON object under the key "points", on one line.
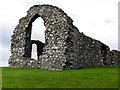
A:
{"points": [[6, 36], [5, 56]]}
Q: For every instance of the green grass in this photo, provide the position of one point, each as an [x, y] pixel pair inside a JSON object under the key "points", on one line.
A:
{"points": [[98, 77]]}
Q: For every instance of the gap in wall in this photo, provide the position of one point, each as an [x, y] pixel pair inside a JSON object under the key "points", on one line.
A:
{"points": [[37, 33]]}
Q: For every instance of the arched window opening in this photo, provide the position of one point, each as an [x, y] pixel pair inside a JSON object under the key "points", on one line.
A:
{"points": [[37, 38], [38, 30]]}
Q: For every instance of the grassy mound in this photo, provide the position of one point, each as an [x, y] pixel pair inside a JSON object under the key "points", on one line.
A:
{"points": [[98, 77]]}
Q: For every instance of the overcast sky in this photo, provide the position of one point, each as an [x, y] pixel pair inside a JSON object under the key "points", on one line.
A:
{"points": [[95, 18]]}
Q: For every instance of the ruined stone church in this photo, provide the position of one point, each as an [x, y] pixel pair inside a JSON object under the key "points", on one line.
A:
{"points": [[64, 48]]}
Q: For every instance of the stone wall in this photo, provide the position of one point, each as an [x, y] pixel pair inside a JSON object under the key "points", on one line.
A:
{"points": [[84, 51], [115, 58], [64, 48]]}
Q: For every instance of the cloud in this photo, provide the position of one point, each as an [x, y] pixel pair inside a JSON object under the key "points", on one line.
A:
{"points": [[6, 35]]}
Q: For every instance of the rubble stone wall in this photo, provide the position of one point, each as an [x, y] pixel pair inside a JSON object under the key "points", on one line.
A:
{"points": [[84, 51], [115, 58], [64, 48]]}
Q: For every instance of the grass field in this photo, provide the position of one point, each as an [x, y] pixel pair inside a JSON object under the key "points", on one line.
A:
{"points": [[98, 77]]}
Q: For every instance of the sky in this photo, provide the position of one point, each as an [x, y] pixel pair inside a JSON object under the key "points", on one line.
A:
{"points": [[95, 18]]}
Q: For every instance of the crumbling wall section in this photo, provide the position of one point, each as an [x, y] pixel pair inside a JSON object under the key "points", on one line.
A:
{"points": [[115, 58], [84, 51], [91, 52]]}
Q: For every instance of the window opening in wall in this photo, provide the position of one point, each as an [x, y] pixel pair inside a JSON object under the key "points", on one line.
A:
{"points": [[34, 51], [38, 30], [37, 37]]}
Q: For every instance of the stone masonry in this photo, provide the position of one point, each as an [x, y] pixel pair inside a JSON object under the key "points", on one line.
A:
{"points": [[64, 48]]}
